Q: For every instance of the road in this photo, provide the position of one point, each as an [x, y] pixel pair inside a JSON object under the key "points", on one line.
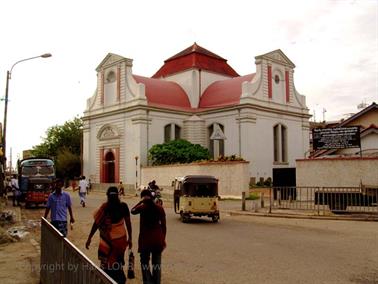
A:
{"points": [[250, 249]]}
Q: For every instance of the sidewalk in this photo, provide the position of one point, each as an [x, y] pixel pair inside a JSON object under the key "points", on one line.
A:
{"points": [[234, 208]]}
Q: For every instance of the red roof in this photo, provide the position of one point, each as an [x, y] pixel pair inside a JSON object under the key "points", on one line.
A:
{"points": [[224, 93], [196, 57], [372, 127], [163, 93]]}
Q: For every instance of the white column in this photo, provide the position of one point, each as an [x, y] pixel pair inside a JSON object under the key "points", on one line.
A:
{"points": [[172, 131]]}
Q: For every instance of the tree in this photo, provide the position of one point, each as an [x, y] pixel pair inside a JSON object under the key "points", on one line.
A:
{"points": [[62, 144], [177, 151], [67, 164]]}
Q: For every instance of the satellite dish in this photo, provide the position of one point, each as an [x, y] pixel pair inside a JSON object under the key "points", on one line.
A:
{"points": [[362, 105]]}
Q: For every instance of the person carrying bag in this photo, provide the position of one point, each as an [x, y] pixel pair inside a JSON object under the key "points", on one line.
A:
{"points": [[130, 269]]}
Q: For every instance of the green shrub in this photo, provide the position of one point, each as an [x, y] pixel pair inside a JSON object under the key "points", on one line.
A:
{"points": [[177, 151], [253, 196]]}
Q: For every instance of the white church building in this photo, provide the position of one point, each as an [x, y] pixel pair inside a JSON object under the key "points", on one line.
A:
{"points": [[195, 96]]}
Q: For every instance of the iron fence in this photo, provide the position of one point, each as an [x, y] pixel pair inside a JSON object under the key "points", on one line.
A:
{"points": [[325, 199], [62, 262]]}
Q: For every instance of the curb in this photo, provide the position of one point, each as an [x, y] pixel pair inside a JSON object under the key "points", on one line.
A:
{"points": [[293, 216]]}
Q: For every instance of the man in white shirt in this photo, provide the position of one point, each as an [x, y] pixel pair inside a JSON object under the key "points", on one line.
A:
{"points": [[83, 187], [15, 190]]}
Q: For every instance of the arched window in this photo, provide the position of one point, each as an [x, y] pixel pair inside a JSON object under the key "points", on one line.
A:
{"points": [[172, 132], [216, 146], [280, 143]]}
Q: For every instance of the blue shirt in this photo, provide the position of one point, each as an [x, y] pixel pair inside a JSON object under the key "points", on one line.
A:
{"points": [[58, 203]]}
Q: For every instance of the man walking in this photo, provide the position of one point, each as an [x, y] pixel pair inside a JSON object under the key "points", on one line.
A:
{"points": [[121, 189], [15, 191], [58, 202], [152, 232], [83, 188]]}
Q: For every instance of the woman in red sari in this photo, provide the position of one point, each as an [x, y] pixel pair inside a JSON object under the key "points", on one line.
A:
{"points": [[110, 220]]}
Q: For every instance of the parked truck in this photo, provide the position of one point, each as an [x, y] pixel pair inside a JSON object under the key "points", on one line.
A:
{"points": [[35, 179]]}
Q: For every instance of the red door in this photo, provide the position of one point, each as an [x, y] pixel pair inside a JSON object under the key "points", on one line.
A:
{"points": [[109, 167]]}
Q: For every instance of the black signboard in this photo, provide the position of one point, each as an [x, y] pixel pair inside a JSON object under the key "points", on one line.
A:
{"points": [[336, 138]]}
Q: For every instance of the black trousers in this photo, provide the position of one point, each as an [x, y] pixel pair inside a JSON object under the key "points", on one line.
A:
{"points": [[151, 276]]}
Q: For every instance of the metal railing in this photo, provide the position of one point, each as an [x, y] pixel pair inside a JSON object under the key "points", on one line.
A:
{"points": [[63, 263], [325, 199]]}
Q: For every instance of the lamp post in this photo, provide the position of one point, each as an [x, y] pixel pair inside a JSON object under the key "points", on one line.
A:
{"points": [[9, 76]]}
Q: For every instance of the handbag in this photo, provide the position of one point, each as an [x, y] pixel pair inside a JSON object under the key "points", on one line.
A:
{"points": [[130, 268]]}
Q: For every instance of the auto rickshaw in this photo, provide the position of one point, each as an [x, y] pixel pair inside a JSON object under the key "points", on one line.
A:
{"points": [[196, 195]]}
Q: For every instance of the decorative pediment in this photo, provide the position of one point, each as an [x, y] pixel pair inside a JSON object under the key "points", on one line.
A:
{"points": [[277, 56], [217, 133], [112, 59], [108, 132]]}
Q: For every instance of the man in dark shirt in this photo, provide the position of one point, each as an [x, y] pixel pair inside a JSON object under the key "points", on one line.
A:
{"points": [[151, 242]]}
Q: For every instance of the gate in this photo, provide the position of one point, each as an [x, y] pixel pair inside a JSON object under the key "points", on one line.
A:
{"points": [[284, 181], [63, 263], [322, 199]]}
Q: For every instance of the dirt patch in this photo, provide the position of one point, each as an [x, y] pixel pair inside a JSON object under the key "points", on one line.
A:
{"points": [[5, 238], [19, 259], [19, 263], [7, 219]]}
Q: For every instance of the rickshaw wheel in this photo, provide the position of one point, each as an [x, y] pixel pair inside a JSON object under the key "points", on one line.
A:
{"points": [[184, 217], [215, 218]]}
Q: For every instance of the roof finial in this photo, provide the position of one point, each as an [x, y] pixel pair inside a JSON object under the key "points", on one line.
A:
{"points": [[194, 47]]}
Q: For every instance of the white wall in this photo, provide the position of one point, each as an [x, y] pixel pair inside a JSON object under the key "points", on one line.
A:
{"points": [[257, 141], [278, 90], [233, 176], [207, 78], [231, 131], [158, 121], [370, 141], [337, 172]]}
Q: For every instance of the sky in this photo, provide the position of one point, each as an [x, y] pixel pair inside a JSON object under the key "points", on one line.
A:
{"points": [[333, 43]]}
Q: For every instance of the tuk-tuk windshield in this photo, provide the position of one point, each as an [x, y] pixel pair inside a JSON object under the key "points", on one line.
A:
{"points": [[200, 189]]}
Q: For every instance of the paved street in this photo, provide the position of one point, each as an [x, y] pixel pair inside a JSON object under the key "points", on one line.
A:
{"points": [[250, 249]]}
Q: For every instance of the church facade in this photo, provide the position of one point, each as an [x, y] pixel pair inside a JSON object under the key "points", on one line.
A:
{"points": [[195, 96]]}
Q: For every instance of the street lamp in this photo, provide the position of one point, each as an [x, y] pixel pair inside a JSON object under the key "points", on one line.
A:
{"points": [[9, 76]]}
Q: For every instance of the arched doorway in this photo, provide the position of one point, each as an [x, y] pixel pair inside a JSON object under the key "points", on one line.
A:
{"points": [[109, 167]]}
